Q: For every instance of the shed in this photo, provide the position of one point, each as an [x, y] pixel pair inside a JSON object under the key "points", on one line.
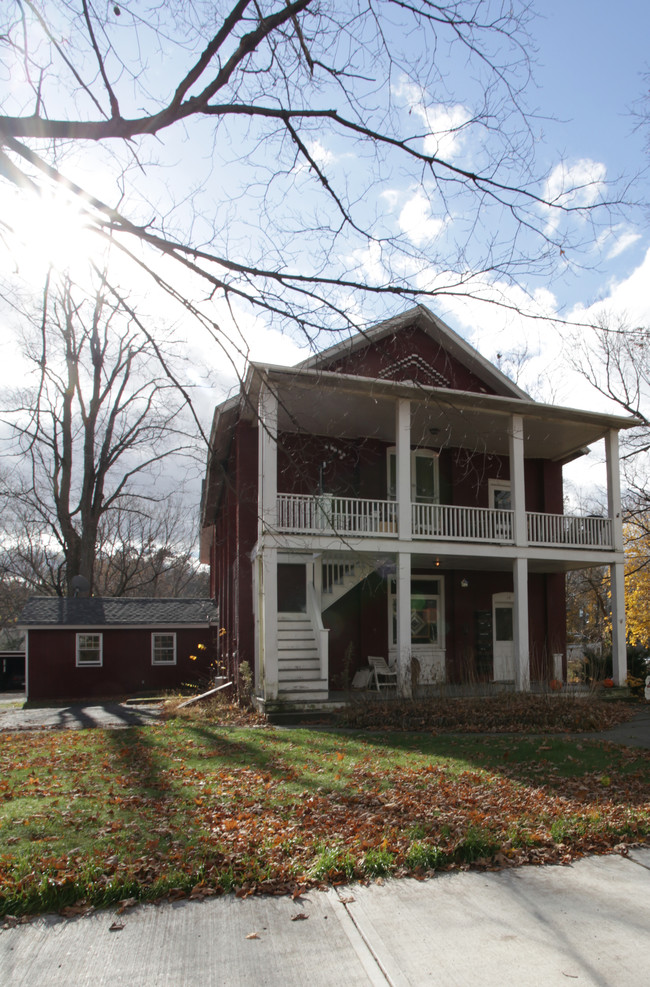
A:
{"points": [[85, 647]]}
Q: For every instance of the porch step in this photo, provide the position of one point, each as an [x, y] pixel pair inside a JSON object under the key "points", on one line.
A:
{"points": [[315, 691], [298, 662]]}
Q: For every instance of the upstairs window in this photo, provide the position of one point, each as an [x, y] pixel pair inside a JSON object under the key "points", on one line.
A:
{"points": [[163, 649], [425, 487], [89, 650]]}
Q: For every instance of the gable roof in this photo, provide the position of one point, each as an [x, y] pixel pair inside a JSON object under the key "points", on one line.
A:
{"points": [[106, 611], [442, 334]]}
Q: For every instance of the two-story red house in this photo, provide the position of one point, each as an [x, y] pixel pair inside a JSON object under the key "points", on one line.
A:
{"points": [[397, 495]]}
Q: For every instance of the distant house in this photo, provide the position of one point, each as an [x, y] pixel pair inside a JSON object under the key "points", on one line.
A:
{"points": [[85, 647], [398, 496]]}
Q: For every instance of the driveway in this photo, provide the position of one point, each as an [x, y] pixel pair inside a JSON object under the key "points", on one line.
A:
{"points": [[75, 716]]}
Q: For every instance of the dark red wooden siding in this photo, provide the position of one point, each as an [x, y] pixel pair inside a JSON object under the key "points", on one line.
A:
{"points": [[126, 669], [385, 357]]}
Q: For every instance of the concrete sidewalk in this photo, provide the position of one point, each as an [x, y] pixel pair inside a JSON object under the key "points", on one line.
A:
{"points": [[588, 923]]}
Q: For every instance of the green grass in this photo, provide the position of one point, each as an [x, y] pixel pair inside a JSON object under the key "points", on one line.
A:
{"points": [[187, 807]]}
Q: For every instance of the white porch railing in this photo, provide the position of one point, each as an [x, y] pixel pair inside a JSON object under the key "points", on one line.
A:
{"points": [[579, 532], [461, 523], [327, 514], [336, 515]]}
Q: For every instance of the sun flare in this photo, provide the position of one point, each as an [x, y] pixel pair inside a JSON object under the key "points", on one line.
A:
{"points": [[49, 230]]}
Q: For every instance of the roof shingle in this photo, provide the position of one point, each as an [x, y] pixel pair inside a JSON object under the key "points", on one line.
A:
{"points": [[101, 611]]}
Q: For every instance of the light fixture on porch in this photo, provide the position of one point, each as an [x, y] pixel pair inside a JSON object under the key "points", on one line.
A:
{"points": [[434, 433], [464, 583]]}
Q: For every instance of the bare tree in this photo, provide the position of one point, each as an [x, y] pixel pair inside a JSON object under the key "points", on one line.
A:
{"points": [[616, 362], [296, 124], [146, 550], [100, 421]]}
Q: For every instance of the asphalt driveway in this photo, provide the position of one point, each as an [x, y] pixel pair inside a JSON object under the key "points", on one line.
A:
{"points": [[75, 716]]}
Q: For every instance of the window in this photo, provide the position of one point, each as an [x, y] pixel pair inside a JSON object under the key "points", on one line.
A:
{"points": [[499, 495], [426, 611], [424, 476], [163, 649], [89, 649]]}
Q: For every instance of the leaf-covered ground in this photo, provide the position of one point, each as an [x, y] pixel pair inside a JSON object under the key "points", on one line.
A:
{"points": [[504, 713], [190, 808]]}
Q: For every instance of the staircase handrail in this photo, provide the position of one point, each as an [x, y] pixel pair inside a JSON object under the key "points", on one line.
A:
{"points": [[322, 632]]}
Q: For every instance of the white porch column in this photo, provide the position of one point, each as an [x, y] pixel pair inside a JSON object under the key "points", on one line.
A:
{"points": [[404, 625], [617, 569], [614, 488], [403, 470], [520, 614], [517, 483], [267, 474], [619, 646], [268, 609]]}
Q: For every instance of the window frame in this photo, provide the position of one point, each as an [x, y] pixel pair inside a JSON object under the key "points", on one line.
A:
{"points": [[498, 486], [439, 644], [419, 453], [78, 649], [158, 662]]}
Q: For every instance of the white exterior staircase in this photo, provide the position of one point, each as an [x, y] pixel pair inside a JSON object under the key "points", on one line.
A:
{"points": [[340, 575], [299, 668]]}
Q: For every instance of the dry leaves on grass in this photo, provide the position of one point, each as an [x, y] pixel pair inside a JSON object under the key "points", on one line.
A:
{"points": [[506, 713]]}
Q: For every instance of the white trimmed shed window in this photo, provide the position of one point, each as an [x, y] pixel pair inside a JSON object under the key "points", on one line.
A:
{"points": [[89, 649], [163, 649]]}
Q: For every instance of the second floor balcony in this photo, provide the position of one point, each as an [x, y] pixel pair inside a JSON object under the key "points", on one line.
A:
{"points": [[358, 517]]}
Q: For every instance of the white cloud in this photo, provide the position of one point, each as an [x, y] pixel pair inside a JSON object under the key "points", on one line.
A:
{"points": [[573, 186], [445, 125], [622, 243], [416, 221], [321, 155], [391, 197]]}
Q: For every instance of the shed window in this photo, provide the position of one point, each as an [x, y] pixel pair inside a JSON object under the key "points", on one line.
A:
{"points": [[163, 649], [89, 649]]}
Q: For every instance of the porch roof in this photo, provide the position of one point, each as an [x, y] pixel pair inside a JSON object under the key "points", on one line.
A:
{"points": [[337, 404]]}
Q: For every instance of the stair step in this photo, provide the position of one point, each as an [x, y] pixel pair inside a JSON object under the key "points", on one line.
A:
{"points": [[314, 691], [298, 666], [308, 675]]}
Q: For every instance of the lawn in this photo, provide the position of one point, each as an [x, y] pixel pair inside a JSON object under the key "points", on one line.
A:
{"points": [[187, 807]]}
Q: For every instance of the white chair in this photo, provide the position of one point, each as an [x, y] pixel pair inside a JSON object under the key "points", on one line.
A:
{"points": [[382, 671]]}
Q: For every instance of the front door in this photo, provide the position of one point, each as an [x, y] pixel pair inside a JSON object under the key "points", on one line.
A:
{"points": [[503, 637], [292, 588]]}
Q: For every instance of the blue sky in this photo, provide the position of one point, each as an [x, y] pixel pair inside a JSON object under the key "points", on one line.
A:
{"points": [[588, 71]]}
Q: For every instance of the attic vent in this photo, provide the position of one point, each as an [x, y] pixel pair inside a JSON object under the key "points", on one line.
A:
{"points": [[414, 368]]}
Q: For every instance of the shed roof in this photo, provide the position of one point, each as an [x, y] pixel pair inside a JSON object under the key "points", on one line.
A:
{"points": [[101, 611]]}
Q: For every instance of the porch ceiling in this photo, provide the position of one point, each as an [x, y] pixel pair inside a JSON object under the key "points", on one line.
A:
{"points": [[352, 407], [386, 564]]}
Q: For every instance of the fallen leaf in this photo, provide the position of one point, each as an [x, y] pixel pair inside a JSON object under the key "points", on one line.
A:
{"points": [[252, 935], [299, 916], [126, 903], [116, 927]]}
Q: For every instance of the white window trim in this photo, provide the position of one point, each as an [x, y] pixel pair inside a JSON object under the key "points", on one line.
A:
{"points": [[440, 643], [494, 485], [90, 664], [423, 454], [156, 634]]}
